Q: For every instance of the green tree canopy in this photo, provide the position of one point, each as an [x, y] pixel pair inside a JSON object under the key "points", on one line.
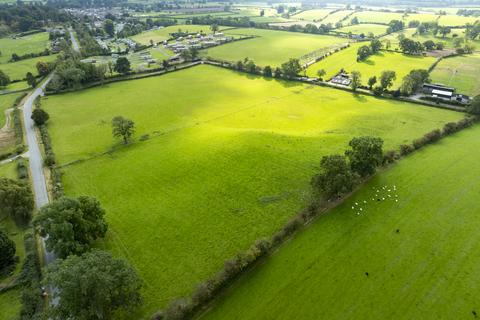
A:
{"points": [[336, 177], [387, 78], [366, 154], [92, 287], [474, 106], [71, 224], [291, 68], [122, 127], [4, 79], [16, 200], [7, 252], [40, 116], [122, 65]]}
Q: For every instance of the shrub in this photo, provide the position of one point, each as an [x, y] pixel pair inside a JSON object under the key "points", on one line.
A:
{"points": [[433, 136], [406, 149], [450, 128], [178, 309], [390, 157]]}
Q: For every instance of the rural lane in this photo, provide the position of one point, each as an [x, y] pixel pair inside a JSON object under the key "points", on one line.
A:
{"points": [[75, 45], [35, 157]]}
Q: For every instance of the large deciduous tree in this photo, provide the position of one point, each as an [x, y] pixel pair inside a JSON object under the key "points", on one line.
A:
{"points": [[40, 116], [291, 68], [336, 177], [122, 65], [387, 78], [366, 154], [16, 200], [4, 79], [122, 127], [92, 286], [71, 224], [356, 80]]}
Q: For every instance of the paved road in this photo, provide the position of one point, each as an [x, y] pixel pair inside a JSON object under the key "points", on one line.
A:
{"points": [[75, 45], [35, 158]]}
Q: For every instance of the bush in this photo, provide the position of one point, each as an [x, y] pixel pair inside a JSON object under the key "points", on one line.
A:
{"points": [[406, 149], [390, 157], [178, 309], [450, 128], [433, 136]]}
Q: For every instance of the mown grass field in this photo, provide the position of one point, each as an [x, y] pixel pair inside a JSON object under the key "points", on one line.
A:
{"points": [[460, 72], [34, 43], [229, 160], [373, 66], [426, 270], [364, 28], [164, 33], [270, 47], [18, 70], [314, 15]]}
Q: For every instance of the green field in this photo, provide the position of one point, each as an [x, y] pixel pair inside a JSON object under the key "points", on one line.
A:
{"points": [[373, 66], [34, 43], [377, 16], [8, 171], [426, 270], [229, 160], [460, 72], [270, 47], [336, 17], [385, 17], [164, 33], [314, 15], [364, 28], [10, 304], [18, 70], [455, 21], [6, 102], [411, 33]]}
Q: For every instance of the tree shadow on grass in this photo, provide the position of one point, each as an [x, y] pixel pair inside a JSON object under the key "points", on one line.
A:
{"points": [[359, 97]]}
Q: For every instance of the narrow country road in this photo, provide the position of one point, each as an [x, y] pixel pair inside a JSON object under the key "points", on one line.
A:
{"points": [[75, 45], [35, 157]]}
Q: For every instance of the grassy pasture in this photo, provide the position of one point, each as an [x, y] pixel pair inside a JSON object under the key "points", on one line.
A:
{"points": [[10, 304], [29, 44], [270, 47], [164, 33], [6, 102], [373, 66], [336, 16], [229, 160], [8, 171], [314, 14], [426, 270], [411, 33], [18, 70], [365, 28], [460, 72], [455, 21], [377, 16]]}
